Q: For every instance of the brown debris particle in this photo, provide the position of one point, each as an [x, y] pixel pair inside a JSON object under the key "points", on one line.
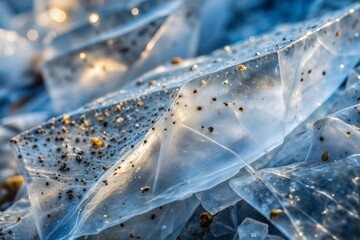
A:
{"points": [[132, 234], [205, 219], [176, 60], [63, 167], [275, 213], [325, 156], [70, 194], [19, 218], [139, 82], [140, 104], [41, 159], [210, 129], [152, 83], [145, 189], [78, 158], [40, 130], [241, 109]]}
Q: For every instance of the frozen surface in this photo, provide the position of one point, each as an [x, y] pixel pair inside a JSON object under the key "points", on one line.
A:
{"points": [[117, 45], [301, 199], [252, 229], [17, 222], [15, 56], [232, 108], [164, 222]]}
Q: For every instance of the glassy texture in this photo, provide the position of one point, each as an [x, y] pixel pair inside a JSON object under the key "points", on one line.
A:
{"points": [[194, 126]]}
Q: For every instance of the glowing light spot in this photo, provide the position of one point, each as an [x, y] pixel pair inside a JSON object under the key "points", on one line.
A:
{"points": [[135, 11], [82, 56], [57, 15], [94, 18], [32, 35]]}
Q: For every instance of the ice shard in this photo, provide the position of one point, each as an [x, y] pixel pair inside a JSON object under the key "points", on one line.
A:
{"points": [[16, 222], [251, 229], [15, 54], [164, 222], [137, 150], [319, 198], [115, 46], [302, 202], [226, 223]]}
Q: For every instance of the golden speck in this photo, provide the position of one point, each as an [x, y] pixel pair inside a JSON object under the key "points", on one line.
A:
{"points": [[12, 183], [97, 142], [348, 134], [203, 82], [66, 119], [118, 108], [120, 121], [241, 68], [19, 218], [338, 34], [325, 156], [274, 213], [132, 234], [140, 104], [225, 82]]}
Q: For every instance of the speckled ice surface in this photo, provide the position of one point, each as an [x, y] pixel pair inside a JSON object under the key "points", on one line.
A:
{"points": [[156, 143]]}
